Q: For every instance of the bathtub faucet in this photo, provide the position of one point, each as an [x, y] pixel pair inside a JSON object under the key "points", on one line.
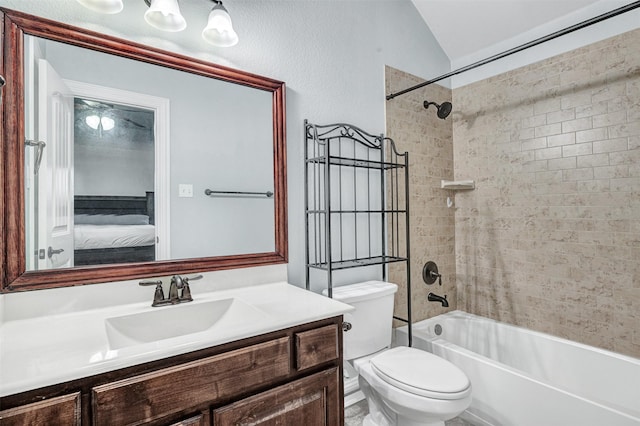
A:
{"points": [[435, 298]]}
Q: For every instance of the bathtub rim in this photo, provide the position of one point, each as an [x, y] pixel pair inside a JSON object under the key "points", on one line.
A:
{"points": [[464, 314], [629, 413]]}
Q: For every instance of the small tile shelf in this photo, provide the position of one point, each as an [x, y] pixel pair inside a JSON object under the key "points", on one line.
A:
{"points": [[458, 185]]}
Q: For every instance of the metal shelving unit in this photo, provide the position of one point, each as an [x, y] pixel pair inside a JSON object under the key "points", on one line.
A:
{"points": [[356, 203]]}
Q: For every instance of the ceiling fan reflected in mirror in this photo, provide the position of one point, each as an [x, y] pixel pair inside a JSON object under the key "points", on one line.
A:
{"points": [[100, 123], [102, 116]]}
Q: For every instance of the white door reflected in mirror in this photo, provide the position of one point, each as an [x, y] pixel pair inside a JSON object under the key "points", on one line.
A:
{"points": [[55, 175]]}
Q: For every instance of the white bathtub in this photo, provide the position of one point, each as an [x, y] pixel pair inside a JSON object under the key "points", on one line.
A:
{"points": [[521, 377]]}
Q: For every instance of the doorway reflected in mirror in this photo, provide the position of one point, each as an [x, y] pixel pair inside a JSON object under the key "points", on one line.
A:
{"points": [[113, 183]]}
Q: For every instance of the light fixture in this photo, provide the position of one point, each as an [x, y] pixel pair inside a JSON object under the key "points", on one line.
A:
{"points": [[219, 30], [100, 123], [103, 6], [165, 15]]}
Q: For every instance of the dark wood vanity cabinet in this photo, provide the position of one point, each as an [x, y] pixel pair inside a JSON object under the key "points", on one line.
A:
{"points": [[288, 377], [62, 410]]}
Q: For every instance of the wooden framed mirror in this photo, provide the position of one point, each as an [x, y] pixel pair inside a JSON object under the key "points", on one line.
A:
{"points": [[19, 272]]}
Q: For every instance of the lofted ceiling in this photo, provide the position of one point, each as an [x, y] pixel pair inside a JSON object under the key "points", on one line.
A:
{"points": [[466, 27]]}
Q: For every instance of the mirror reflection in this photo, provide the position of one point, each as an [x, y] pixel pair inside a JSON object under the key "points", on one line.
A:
{"points": [[121, 154], [113, 153]]}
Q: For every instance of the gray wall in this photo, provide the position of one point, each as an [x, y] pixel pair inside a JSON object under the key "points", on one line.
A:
{"points": [[108, 171]]}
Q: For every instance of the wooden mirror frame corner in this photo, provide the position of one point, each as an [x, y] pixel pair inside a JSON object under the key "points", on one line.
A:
{"points": [[13, 26]]}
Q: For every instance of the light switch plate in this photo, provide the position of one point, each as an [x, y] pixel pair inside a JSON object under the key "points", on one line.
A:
{"points": [[185, 190]]}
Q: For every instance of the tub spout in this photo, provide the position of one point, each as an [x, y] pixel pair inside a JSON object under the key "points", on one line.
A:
{"points": [[435, 298]]}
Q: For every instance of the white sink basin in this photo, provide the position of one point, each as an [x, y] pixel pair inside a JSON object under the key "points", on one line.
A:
{"points": [[178, 320]]}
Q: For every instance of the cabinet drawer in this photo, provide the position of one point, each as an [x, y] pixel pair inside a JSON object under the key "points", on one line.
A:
{"points": [[316, 346], [62, 410], [154, 395]]}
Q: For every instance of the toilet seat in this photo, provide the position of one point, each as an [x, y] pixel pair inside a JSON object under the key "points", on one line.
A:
{"points": [[421, 373]]}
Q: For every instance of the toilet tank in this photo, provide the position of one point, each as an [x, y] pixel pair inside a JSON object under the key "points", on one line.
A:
{"points": [[372, 319]]}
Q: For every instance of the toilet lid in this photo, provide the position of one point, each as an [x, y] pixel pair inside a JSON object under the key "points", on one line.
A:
{"points": [[421, 373]]}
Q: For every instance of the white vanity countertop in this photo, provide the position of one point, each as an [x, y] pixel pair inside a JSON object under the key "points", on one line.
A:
{"points": [[42, 351]]}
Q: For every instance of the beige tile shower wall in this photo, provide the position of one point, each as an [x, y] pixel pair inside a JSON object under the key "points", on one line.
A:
{"points": [[550, 239], [428, 141]]}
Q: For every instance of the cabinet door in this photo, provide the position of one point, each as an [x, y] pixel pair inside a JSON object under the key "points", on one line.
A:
{"points": [[310, 401], [62, 410]]}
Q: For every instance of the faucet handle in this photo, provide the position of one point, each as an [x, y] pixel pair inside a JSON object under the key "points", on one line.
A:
{"points": [[430, 273], [185, 295], [158, 296], [150, 282], [186, 280]]}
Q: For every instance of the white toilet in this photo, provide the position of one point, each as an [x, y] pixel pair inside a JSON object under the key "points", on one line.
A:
{"points": [[403, 386]]}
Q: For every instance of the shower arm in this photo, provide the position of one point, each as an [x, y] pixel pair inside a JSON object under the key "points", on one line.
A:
{"points": [[522, 47]]}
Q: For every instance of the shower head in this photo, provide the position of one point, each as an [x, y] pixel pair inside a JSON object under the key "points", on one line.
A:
{"points": [[444, 109]]}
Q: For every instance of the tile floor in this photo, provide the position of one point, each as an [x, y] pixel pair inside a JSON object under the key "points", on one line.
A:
{"points": [[354, 415]]}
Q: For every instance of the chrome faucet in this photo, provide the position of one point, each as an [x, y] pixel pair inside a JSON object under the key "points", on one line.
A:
{"points": [[177, 283]]}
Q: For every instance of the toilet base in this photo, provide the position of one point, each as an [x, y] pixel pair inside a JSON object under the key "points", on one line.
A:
{"points": [[381, 415], [389, 406]]}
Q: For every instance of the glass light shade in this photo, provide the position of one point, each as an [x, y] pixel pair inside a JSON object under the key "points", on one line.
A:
{"points": [[108, 123], [92, 121], [103, 6], [95, 122], [165, 15], [219, 30]]}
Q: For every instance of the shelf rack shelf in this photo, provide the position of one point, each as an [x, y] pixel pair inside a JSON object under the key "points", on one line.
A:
{"points": [[355, 263], [351, 162], [356, 204]]}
